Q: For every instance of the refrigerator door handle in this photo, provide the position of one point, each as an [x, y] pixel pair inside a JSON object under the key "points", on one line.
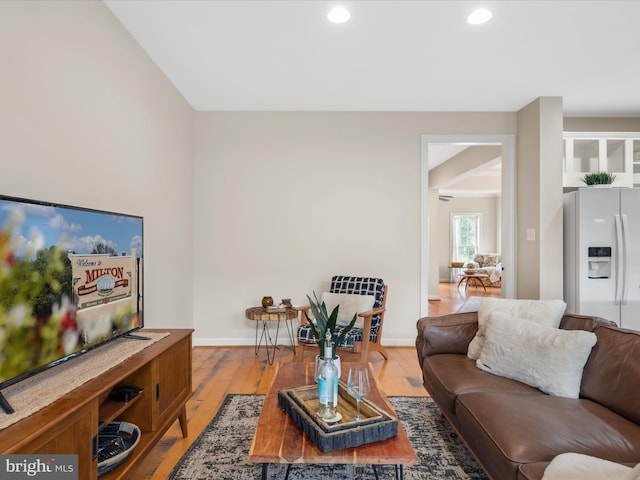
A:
{"points": [[618, 260], [625, 270]]}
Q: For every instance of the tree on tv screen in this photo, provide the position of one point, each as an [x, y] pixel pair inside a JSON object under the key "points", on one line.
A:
{"points": [[101, 248], [37, 317]]}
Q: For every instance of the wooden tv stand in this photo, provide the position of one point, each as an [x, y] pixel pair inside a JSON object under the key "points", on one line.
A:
{"points": [[70, 424]]}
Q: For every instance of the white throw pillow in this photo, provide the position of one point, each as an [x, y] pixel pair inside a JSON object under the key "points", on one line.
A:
{"points": [[543, 312], [576, 466], [546, 358], [350, 304]]}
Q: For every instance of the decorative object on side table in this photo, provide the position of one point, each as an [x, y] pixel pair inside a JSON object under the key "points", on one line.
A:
{"points": [[599, 178], [287, 302], [267, 302]]}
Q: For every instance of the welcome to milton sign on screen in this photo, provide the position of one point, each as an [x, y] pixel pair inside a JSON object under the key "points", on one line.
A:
{"points": [[100, 279]]}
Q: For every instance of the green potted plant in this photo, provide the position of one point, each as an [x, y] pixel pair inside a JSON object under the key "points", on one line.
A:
{"points": [[325, 322], [599, 178]]}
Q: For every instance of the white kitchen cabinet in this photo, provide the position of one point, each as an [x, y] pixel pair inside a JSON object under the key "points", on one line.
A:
{"points": [[587, 152]]}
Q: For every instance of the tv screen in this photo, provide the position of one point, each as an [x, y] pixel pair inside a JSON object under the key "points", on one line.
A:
{"points": [[70, 280]]}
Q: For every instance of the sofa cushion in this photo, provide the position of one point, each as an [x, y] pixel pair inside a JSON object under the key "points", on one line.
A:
{"points": [[612, 373], [467, 322], [487, 259], [505, 429], [448, 333], [547, 358], [532, 471], [447, 376], [543, 312], [490, 261], [571, 321]]}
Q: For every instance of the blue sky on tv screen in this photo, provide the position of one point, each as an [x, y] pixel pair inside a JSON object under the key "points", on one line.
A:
{"points": [[36, 226]]}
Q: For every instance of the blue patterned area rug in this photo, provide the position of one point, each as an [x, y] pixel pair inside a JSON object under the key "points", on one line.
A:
{"points": [[221, 450]]}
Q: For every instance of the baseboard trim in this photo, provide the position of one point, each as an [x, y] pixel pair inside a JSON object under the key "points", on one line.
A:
{"points": [[224, 342], [246, 342]]}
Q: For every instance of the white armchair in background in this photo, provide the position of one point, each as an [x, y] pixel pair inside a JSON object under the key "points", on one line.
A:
{"points": [[489, 264]]}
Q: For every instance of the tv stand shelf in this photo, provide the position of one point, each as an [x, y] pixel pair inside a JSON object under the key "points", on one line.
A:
{"points": [[71, 423], [109, 410]]}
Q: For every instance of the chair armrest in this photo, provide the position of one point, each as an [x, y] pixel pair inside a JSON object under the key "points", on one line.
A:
{"points": [[446, 334], [366, 327], [371, 313], [305, 313]]}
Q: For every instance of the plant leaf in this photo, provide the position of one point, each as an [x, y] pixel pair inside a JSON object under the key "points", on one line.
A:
{"points": [[319, 311], [331, 323], [316, 335], [343, 334]]}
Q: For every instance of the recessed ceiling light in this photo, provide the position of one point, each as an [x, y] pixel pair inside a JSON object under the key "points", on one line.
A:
{"points": [[479, 16], [338, 15]]}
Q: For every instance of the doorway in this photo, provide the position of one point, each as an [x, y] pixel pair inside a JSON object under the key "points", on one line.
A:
{"points": [[429, 274]]}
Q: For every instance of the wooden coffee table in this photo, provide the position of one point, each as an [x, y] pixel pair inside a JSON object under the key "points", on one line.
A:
{"points": [[279, 440], [475, 279]]}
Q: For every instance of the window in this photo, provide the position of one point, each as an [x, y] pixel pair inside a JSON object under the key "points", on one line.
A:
{"points": [[465, 235]]}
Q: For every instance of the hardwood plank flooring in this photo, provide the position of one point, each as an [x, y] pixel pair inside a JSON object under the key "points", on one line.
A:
{"points": [[452, 297], [218, 371]]}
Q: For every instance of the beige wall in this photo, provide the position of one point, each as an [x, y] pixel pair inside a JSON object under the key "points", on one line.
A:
{"points": [[87, 119], [601, 124], [551, 227], [539, 199], [286, 200]]}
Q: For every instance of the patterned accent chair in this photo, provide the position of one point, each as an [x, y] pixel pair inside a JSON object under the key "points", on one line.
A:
{"points": [[359, 339], [489, 264]]}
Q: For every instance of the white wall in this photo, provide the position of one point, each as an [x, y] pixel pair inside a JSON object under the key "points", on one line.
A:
{"points": [[286, 200], [488, 207], [87, 119]]}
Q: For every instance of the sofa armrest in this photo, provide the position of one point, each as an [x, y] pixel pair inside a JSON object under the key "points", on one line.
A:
{"points": [[446, 334]]}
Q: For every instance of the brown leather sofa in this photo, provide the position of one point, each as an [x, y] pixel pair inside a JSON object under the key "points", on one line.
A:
{"points": [[515, 430]]}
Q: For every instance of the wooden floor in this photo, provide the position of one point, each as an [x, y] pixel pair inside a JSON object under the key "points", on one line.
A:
{"points": [[218, 371], [452, 297]]}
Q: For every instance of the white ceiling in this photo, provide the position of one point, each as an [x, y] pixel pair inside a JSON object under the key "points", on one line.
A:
{"points": [[393, 55]]}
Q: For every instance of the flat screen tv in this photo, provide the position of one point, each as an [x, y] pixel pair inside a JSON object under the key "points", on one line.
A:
{"points": [[70, 281]]}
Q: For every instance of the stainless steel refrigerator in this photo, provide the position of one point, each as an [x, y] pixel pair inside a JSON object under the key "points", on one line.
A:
{"points": [[602, 254]]}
